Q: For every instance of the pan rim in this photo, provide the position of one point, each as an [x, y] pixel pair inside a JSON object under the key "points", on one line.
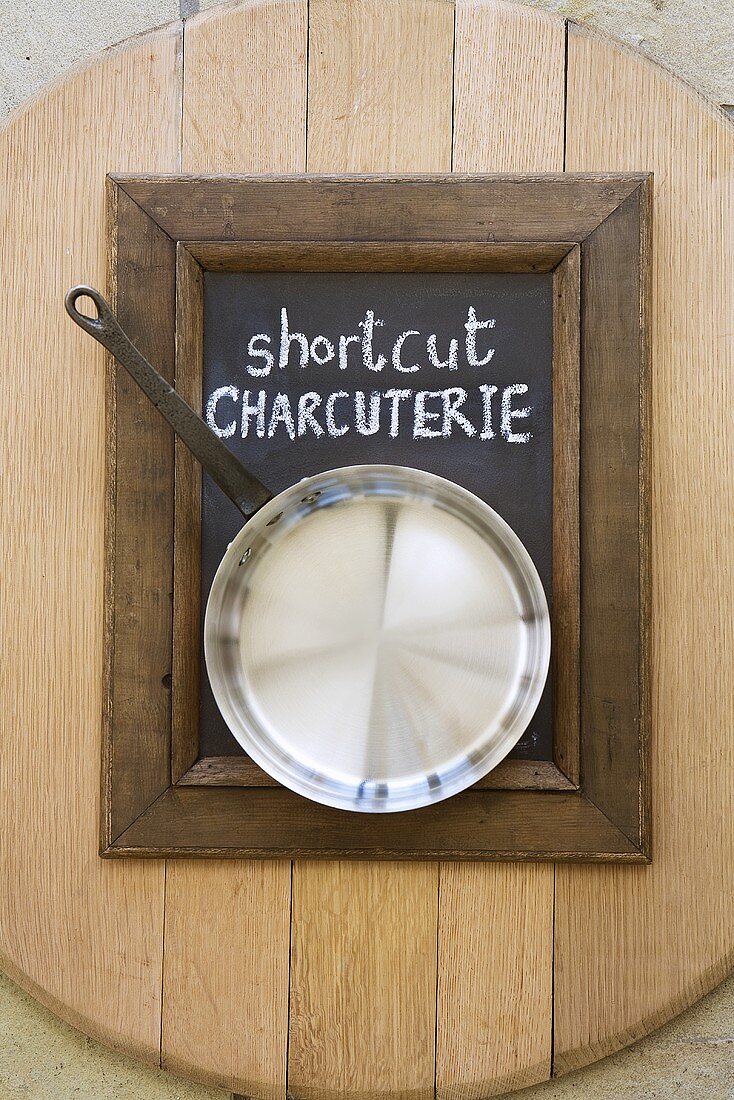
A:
{"points": [[351, 797]]}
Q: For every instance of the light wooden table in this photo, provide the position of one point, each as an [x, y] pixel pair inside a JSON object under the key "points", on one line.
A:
{"points": [[359, 980]]}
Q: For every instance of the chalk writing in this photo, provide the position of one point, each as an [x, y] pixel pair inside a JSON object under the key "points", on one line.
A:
{"points": [[423, 413]]}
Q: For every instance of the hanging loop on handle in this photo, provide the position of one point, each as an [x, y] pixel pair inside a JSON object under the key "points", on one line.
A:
{"points": [[242, 488]]}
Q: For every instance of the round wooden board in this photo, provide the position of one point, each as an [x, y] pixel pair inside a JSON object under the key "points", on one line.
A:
{"points": [[359, 979]]}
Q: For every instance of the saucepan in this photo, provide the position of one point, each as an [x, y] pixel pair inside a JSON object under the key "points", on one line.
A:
{"points": [[377, 638]]}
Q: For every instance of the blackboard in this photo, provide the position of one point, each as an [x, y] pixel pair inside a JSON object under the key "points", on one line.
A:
{"points": [[450, 373]]}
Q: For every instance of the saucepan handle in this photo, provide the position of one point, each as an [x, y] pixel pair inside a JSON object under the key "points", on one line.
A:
{"points": [[242, 488]]}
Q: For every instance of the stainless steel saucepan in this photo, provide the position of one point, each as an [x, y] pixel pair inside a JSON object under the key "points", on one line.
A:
{"points": [[377, 638]]}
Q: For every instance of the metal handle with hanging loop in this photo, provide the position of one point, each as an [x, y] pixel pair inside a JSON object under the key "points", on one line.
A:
{"points": [[242, 488]]}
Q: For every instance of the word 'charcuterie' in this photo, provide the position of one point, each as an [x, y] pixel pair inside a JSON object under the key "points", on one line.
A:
{"points": [[430, 414]]}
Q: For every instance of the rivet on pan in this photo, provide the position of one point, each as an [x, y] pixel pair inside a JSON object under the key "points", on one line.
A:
{"points": [[310, 498], [246, 555], [273, 520]]}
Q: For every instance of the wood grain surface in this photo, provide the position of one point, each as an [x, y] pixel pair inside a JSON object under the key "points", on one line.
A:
{"points": [[509, 88], [504, 1041], [187, 524], [241, 114], [84, 937], [494, 978], [566, 625], [244, 104], [361, 65], [137, 743], [191, 208], [377, 256], [633, 945], [225, 979], [614, 704], [267, 824], [239, 771], [379, 85], [363, 980]]}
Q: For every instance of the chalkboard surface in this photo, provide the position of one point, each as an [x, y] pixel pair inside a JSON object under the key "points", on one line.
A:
{"points": [[450, 373]]}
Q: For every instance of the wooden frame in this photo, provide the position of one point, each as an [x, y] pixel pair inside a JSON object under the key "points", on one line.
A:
{"points": [[592, 232]]}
